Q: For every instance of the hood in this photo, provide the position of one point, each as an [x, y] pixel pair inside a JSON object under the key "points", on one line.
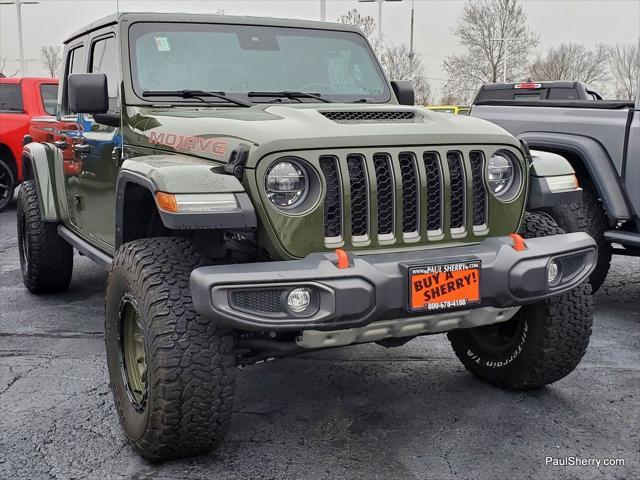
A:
{"points": [[214, 133]]}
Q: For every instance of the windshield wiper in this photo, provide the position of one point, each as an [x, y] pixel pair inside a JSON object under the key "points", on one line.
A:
{"points": [[291, 95], [195, 94]]}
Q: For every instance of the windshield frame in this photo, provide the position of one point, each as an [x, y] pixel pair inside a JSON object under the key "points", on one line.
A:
{"points": [[131, 37]]}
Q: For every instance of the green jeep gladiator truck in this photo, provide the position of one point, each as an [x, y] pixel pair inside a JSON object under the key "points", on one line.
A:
{"points": [[257, 188]]}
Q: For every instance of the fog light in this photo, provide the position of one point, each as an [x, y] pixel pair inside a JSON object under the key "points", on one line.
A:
{"points": [[299, 299], [553, 272]]}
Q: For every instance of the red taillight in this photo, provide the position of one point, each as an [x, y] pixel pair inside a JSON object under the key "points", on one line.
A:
{"points": [[527, 85]]}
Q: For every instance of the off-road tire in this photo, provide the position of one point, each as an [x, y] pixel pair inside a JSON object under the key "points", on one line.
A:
{"points": [[8, 180], [549, 337], [587, 216], [46, 259], [190, 361]]}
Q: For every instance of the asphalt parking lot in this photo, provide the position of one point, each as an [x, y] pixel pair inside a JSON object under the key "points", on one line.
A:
{"points": [[364, 412]]}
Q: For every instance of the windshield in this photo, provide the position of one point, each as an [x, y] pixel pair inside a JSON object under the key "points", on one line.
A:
{"points": [[238, 59]]}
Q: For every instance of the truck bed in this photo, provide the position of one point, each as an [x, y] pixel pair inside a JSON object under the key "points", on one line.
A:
{"points": [[604, 121]]}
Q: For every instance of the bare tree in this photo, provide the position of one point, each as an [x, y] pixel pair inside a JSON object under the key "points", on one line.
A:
{"points": [[51, 59], [481, 24], [399, 64], [624, 62], [570, 61], [3, 73], [396, 60], [366, 23], [451, 99]]}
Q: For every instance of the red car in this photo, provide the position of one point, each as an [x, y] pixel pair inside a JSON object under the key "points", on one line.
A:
{"points": [[21, 101]]}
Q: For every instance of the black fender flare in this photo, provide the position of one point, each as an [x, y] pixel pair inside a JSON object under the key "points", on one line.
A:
{"points": [[243, 217], [39, 164], [596, 161]]}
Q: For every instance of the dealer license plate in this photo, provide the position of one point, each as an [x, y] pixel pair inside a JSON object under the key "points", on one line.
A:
{"points": [[444, 286]]}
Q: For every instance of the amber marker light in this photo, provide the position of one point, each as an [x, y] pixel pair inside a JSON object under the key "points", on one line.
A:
{"points": [[167, 202], [195, 203]]}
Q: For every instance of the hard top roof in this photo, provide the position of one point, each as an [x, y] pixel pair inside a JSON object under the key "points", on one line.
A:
{"points": [[207, 18]]}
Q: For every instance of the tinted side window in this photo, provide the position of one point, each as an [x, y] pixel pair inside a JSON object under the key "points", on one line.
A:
{"points": [[104, 59], [76, 63], [49, 94], [77, 60], [10, 98]]}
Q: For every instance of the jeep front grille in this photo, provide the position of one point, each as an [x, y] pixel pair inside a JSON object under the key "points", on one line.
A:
{"points": [[418, 196]]}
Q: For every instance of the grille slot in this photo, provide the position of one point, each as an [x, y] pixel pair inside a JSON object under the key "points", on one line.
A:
{"points": [[359, 196], [457, 187], [370, 116], [409, 173], [333, 198], [479, 193], [385, 186], [257, 301], [434, 191]]}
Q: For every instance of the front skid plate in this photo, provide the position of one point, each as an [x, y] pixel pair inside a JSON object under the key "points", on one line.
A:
{"points": [[406, 327]]}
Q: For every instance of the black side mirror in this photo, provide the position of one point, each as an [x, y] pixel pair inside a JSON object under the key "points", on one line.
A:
{"points": [[404, 92], [88, 93]]}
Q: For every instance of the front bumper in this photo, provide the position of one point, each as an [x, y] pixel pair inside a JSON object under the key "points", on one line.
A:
{"points": [[375, 286]]}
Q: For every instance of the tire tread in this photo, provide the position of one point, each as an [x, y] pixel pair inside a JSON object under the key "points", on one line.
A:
{"points": [[191, 361], [559, 331], [51, 260]]}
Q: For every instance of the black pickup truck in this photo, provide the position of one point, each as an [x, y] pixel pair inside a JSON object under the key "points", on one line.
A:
{"points": [[601, 140]]}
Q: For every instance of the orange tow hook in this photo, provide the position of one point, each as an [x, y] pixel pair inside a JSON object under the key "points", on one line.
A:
{"points": [[343, 258], [519, 244]]}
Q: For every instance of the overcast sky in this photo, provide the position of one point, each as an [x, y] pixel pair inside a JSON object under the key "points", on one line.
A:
{"points": [[581, 21]]}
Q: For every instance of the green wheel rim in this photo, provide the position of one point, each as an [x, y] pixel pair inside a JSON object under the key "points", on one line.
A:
{"points": [[133, 353]]}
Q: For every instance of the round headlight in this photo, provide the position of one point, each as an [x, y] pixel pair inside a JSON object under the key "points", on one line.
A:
{"points": [[501, 175], [287, 184]]}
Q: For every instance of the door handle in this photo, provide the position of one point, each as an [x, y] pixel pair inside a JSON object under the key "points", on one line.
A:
{"points": [[81, 148], [61, 144]]}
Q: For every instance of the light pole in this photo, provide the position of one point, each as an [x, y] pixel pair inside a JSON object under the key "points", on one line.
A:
{"points": [[411, 41], [18, 4], [504, 41], [380, 2], [323, 10]]}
